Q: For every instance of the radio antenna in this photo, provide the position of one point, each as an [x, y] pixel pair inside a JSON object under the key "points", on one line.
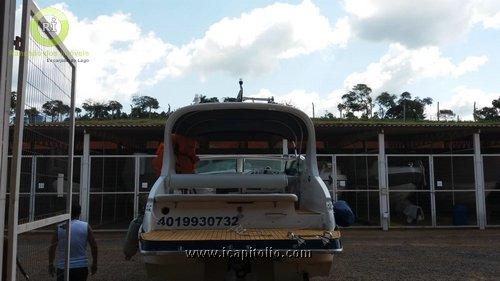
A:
{"points": [[240, 93]]}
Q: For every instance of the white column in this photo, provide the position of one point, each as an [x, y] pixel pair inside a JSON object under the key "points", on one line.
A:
{"points": [[137, 184], [85, 178], [334, 178], [479, 182], [382, 182], [432, 183]]}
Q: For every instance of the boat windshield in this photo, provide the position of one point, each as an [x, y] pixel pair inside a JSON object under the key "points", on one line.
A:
{"points": [[240, 165]]}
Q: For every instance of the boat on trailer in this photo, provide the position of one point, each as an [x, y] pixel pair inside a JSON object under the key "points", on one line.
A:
{"points": [[251, 217]]}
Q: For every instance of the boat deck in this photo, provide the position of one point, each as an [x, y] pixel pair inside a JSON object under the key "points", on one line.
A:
{"points": [[234, 235]]}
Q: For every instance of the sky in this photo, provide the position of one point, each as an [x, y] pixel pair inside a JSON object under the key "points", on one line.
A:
{"points": [[299, 52]]}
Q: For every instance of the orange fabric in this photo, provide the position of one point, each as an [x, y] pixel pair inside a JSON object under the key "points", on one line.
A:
{"points": [[185, 155], [158, 160]]}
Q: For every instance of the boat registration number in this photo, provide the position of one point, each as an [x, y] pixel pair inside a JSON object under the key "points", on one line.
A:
{"points": [[199, 221]]}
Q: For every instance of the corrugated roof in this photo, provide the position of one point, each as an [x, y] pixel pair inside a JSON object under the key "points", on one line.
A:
{"points": [[399, 124], [160, 123]]}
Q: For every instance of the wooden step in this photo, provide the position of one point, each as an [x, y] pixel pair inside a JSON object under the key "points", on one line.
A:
{"points": [[234, 234]]}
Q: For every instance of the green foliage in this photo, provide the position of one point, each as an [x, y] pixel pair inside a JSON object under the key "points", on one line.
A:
{"points": [[328, 116], [404, 108], [230, 99], [446, 114], [356, 103], [96, 109], [358, 100], [496, 103], [143, 106], [384, 102], [13, 103], [55, 109], [116, 108], [489, 113], [31, 113], [205, 99]]}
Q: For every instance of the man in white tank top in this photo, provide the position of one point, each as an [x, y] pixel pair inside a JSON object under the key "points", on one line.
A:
{"points": [[81, 234]]}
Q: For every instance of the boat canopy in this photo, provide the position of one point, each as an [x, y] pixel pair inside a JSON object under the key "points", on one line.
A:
{"points": [[241, 124]]}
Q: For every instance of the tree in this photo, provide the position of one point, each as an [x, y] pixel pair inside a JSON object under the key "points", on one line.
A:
{"points": [[31, 113], [489, 113], [136, 112], [496, 103], [385, 101], [408, 108], [328, 116], [405, 96], [94, 109], [143, 104], [116, 108], [204, 99], [341, 107], [88, 106], [13, 103], [358, 100], [54, 109], [446, 114], [100, 110], [64, 109], [78, 112]]}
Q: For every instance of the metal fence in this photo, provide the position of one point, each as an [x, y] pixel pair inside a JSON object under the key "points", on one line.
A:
{"points": [[7, 12], [431, 186], [45, 93]]}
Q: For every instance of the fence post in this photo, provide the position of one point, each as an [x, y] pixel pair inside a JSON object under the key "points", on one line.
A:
{"points": [[7, 17], [32, 189], [137, 185], [15, 176], [382, 182], [334, 177], [479, 182], [85, 177]]}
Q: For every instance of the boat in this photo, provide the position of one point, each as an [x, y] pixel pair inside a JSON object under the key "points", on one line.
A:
{"points": [[238, 217]]}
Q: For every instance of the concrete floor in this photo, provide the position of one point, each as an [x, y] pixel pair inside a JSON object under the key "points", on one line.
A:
{"points": [[461, 254]]}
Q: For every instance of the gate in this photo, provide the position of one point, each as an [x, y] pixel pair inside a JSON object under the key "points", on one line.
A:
{"points": [[45, 94]]}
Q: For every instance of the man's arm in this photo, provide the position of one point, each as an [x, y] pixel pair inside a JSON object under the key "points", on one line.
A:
{"points": [[52, 253], [93, 249]]}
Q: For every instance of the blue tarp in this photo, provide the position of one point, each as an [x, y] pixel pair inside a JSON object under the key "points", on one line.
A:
{"points": [[343, 214]]}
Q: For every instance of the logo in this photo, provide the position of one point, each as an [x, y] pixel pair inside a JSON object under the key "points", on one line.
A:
{"points": [[49, 21]]}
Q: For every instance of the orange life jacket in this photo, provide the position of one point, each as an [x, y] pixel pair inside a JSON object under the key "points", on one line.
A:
{"points": [[185, 155]]}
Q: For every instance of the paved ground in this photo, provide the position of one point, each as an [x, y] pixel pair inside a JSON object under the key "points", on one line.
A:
{"points": [[368, 255]]}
